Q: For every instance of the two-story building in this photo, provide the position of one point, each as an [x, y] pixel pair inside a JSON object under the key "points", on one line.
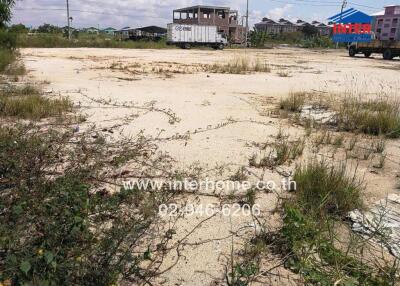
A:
{"points": [[224, 18], [387, 26]]}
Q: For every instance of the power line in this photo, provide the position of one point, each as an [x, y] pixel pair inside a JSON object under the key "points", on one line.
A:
{"points": [[317, 3], [88, 11]]}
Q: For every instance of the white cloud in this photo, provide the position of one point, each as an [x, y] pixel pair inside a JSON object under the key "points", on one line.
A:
{"points": [[280, 12], [117, 13]]}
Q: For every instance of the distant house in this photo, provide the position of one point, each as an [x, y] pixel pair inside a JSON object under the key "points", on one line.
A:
{"points": [[323, 30], [148, 33], [109, 31], [92, 30], [275, 28], [285, 26], [269, 26]]}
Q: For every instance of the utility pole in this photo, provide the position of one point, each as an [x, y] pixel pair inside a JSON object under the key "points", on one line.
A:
{"points": [[69, 23], [247, 22], [341, 13], [344, 4]]}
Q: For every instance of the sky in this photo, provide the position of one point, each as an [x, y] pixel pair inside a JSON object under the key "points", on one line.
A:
{"points": [[139, 13]]}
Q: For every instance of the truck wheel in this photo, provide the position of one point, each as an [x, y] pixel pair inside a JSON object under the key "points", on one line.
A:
{"points": [[367, 54], [352, 51], [221, 46], [186, 46], [388, 55]]}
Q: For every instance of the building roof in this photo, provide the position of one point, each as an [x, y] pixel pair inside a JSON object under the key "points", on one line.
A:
{"points": [[203, 7], [301, 23], [109, 28], [380, 13], [284, 21], [351, 16], [153, 29]]}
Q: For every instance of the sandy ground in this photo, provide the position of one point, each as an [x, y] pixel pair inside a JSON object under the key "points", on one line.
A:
{"points": [[209, 119]]}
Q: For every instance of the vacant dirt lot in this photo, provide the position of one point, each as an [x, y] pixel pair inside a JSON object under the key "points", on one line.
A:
{"points": [[212, 120]]}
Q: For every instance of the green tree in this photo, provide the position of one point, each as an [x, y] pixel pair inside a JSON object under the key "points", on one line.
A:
{"points": [[310, 31], [18, 29], [5, 12], [49, 29]]}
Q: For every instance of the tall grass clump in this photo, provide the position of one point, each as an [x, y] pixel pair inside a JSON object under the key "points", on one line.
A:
{"points": [[318, 247], [327, 190], [375, 117], [294, 102], [240, 65], [28, 103]]}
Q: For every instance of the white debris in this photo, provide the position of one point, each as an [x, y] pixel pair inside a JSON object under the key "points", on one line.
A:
{"points": [[320, 115], [383, 219]]}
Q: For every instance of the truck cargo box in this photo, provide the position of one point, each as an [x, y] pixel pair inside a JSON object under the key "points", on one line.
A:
{"points": [[187, 35]]}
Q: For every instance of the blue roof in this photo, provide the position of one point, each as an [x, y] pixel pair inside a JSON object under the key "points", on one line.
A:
{"points": [[351, 16]]}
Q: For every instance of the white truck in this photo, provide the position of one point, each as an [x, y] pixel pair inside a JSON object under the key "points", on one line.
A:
{"points": [[186, 36]]}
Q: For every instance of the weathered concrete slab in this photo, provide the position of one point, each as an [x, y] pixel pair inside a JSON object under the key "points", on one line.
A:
{"points": [[382, 221]]}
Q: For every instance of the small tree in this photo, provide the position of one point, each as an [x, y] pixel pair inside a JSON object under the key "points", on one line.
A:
{"points": [[5, 12], [310, 31]]}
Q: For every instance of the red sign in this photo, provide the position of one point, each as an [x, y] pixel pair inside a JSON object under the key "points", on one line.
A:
{"points": [[352, 28]]}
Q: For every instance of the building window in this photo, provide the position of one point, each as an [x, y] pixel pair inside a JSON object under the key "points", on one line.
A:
{"points": [[380, 21], [221, 15], [379, 30], [393, 30], [395, 21], [206, 15], [385, 34], [386, 26]]}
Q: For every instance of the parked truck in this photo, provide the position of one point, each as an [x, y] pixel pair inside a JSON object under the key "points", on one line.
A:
{"points": [[187, 36], [388, 49]]}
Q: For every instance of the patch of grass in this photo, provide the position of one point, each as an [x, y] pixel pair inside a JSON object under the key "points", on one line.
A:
{"points": [[240, 65], [312, 248], [278, 153], [27, 103], [294, 102], [93, 41], [374, 117], [327, 190]]}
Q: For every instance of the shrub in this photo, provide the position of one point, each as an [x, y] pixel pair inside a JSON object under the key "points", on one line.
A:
{"points": [[6, 58], [57, 225], [327, 190], [8, 40]]}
